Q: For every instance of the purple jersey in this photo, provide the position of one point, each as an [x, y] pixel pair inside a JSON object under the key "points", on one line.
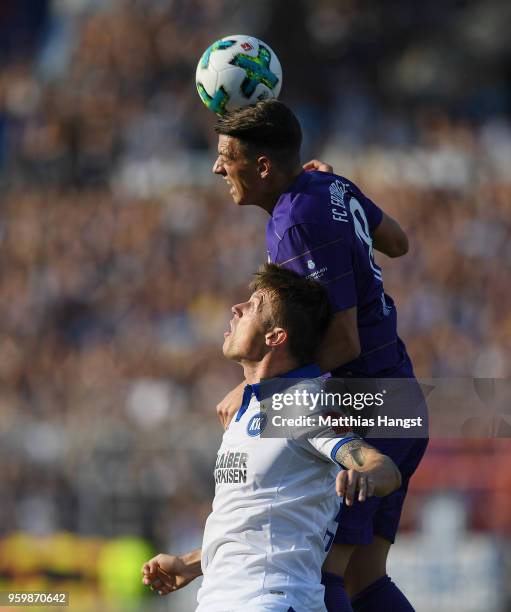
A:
{"points": [[321, 228]]}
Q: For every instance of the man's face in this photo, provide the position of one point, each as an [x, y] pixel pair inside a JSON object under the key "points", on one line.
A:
{"points": [[246, 339], [240, 172]]}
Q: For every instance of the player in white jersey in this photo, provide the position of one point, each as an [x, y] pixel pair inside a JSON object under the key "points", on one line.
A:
{"points": [[275, 510]]}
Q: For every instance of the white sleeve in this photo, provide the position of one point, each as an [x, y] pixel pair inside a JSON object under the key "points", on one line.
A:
{"points": [[328, 447]]}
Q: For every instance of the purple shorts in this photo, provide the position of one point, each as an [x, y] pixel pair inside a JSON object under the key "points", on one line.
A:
{"points": [[381, 515]]}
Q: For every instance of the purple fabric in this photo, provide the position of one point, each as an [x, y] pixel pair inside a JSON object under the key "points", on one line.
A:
{"points": [[336, 598], [321, 228], [381, 515], [381, 596]]}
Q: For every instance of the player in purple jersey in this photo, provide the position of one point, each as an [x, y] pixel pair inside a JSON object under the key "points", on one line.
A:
{"points": [[323, 227]]}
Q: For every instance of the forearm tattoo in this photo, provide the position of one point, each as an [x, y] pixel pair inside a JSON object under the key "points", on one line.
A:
{"points": [[351, 454]]}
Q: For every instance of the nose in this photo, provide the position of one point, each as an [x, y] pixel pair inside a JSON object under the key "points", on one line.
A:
{"points": [[237, 310], [218, 168]]}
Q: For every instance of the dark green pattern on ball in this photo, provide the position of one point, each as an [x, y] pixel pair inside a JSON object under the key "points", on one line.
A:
{"points": [[215, 103], [219, 45], [257, 70]]}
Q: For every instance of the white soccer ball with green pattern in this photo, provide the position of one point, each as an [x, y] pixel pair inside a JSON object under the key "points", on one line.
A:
{"points": [[236, 71]]}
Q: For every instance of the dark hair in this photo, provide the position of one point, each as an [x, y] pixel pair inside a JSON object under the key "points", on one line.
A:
{"points": [[268, 126], [299, 305]]}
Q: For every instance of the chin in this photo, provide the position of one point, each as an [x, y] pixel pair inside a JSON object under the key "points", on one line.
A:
{"points": [[231, 351], [232, 356], [227, 350]]}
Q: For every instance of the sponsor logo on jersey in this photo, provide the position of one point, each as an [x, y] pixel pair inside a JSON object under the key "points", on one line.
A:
{"points": [[231, 468], [257, 424], [317, 274], [311, 265]]}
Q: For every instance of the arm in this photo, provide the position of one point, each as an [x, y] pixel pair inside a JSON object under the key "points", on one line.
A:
{"points": [[341, 343], [389, 238], [168, 573], [367, 471]]}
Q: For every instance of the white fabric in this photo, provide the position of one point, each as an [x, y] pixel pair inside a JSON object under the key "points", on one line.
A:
{"points": [[264, 542]]}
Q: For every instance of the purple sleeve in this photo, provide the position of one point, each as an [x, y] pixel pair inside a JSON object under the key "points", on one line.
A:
{"points": [[374, 214], [314, 252]]}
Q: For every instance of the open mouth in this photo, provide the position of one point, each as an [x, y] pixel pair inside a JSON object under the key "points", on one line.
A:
{"points": [[229, 331]]}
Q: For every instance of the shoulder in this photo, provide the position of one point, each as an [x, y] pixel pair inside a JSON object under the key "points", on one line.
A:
{"points": [[317, 193], [303, 201]]}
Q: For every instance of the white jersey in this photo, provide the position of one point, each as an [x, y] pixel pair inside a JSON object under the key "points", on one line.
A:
{"points": [[273, 520]]}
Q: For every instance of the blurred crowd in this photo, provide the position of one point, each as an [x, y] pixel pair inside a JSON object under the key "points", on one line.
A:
{"points": [[121, 254]]}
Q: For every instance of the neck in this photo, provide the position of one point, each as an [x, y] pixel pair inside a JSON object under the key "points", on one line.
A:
{"points": [[270, 366], [280, 184]]}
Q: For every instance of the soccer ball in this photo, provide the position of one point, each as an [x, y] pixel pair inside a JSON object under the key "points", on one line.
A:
{"points": [[236, 71]]}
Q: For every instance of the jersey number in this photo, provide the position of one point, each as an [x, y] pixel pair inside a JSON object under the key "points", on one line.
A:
{"points": [[362, 231]]}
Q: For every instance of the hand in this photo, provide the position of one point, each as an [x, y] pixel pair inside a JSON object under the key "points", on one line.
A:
{"points": [[352, 484], [229, 406], [167, 573], [367, 472], [315, 164]]}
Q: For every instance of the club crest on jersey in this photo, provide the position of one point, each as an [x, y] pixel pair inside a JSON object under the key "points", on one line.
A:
{"points": [[257, 424]]}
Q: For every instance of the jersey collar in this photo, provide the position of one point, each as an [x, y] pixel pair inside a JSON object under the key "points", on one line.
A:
{"points": [[310, 370]]}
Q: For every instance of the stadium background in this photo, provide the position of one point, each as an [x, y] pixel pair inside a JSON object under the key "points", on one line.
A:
{"points": [[121, 253]]}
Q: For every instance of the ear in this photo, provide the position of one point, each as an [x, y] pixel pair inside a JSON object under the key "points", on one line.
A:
{"points": [[276, 337], [263, 166]]}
